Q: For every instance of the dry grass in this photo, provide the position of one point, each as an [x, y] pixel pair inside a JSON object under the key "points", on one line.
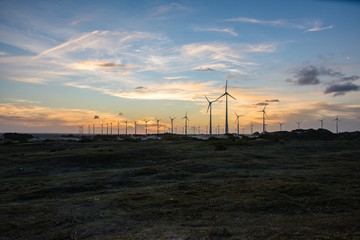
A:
{"points": [[180, 189]]}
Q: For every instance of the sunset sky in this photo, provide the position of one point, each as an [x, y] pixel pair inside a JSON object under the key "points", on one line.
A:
{"points": [[64, 62]]}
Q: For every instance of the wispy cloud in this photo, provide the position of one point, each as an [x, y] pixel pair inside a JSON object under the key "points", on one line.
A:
{"points": [[175, 77], [32, 115], [166, 91], [309, 26], [167, 11], [3, 53], [228, 30]]}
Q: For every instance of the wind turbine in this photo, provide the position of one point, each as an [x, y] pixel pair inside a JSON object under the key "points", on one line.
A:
{"points": [[226, 94], [322, 123], [237, 120], [298, 123], [118, 129], [337, 123], [111, 128], [157, 125], [251, 128], [281, 126], [186, 120], [264, 114], [146, 121], [209, 107], [135, 126], [107, 128], [172, 124], [126, 127], [102, 129]]}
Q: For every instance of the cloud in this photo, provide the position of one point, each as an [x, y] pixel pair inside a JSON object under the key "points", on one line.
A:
{"points": [[96, 117], [141, 88], [120, 114], [32, 115], [173, 78], [3, 53], [341, 89], [113, 65], [310, 26], [317, 27], [272, 100], [261, 104], [237, 76], [225, 30], [351, 78], [167, 11], [205, 69], [278, 22], [309, 75], [117, 72]]}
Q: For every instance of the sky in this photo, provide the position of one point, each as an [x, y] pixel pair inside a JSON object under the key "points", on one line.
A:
{"points": [[64, 64]]}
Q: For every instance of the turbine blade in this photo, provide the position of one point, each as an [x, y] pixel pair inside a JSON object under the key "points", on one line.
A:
{"points": [[226, 86], [208, 107], [207, 99], [231, 96], [221, 96]]}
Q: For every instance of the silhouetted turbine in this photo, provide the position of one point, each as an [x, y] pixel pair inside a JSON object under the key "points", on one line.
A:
{"points": [[209, 107], [264, 114], [238, 121], [226, 94], [146, 121], [186, 120], [337, 123], [157, 125], [172, 124]]}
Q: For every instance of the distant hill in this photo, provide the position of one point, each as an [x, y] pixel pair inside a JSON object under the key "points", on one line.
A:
{"points": [[311, 134], [17, 136]]}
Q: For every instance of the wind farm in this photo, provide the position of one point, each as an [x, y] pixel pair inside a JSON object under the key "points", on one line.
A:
{"points": [[179, 120]]}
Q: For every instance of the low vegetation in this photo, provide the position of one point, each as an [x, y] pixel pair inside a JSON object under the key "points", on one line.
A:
{"points": [[180, 188]]}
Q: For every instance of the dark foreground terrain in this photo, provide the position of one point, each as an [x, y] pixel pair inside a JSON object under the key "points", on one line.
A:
{"points": [[180, 189]]}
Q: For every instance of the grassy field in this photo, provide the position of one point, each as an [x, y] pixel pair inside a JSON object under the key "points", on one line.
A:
{"points": [[180, 189]]}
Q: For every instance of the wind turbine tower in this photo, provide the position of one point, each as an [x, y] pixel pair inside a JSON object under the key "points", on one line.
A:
{"points": [[102, 129], [251, 128], [264, 115], [186, 120], [209, 107], [126, 127], [298, 124], [157, 125], [238, 122], [135, 127], [118, 129], [337, 124], [281, 126], [226, 94], [146, 121], [322, 123], [172, 124]]}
